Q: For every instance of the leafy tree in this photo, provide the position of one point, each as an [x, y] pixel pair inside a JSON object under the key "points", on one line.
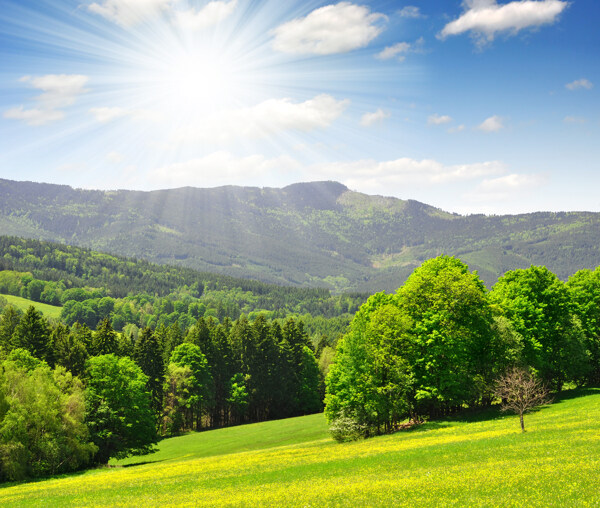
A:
{"points": [[189, 355], [539, 307], [450, 346], [178, 382], [42, 431], [584, 287], [118, 408], [521, 392], [238, 398]]}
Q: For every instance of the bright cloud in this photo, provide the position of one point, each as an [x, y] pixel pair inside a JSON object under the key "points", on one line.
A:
{"points": [[379, 176], [268, 117], [369, 119], [458, 128], [108, 114], [410, 11], [579, 84], [438, 120], [221, 168], [486, 18], [129, 12], [59, 91], [34, 117], [211, 14], [491, 124], [505, 187], [401, 49], [328, 30]]}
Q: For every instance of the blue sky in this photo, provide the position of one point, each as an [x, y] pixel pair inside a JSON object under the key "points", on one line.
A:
{"points": [[481, 106]]}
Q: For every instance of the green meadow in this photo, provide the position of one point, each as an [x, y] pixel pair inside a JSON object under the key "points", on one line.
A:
{"points": [[479, 459], [50, 311]]}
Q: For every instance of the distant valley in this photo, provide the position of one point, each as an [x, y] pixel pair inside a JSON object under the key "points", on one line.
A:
{"points": [[306, 234]]}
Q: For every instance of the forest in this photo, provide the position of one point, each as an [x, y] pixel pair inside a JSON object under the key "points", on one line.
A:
{"points": [[114, 386]]}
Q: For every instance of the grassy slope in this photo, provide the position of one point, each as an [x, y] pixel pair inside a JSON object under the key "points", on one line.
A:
{"points": [[468, 462], [23, 304]]}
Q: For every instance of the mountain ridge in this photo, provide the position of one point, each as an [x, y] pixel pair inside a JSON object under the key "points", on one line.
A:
{"points": [[306, 234]]}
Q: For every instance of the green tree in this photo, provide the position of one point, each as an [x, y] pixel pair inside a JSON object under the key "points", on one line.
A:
{"points": [[42, 430], [118, 408], [450, 349], [148, 354], [9, 321], [69, 350], [189, 355], [540, 309], [32, 333], [104, 340], [584, 287]]}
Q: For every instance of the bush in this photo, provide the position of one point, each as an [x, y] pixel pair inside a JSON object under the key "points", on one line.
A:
{"points": [[344, 429]]}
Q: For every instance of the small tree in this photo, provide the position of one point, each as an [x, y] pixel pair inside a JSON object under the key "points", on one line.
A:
{"points": [[521, 392]]}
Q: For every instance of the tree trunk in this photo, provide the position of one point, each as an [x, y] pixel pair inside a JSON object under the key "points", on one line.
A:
{"points": [[522, 422]]}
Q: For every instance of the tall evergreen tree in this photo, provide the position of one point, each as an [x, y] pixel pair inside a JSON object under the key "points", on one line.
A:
{"points": [[148, 354], [9, 320], [104, 340], [33, 333]]}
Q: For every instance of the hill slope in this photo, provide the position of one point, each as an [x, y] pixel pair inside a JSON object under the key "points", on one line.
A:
{"points": [[475, 461], [316, 234]]}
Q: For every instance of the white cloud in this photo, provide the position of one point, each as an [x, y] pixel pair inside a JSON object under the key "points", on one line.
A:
{"points": [[369, 119], [220, 168], [410, 11], [328, 30], [211, 14], [575, 119], [438, 120], [458, 128], [34, 116], [379, 176], [579, 84], [129, 12], [506, 187], [491, 124], [266, 118], [108, 114], [59, 91], [486, 18], [401, 49], [398, 50]]}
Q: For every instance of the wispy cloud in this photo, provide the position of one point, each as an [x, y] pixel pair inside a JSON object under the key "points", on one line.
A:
{"points": [[129, 12], [491, 124], [410, 11], [436, 119], [485, 19], [369, 119], [209, 15], [58, 91], [580, 84], [328, 30], [108, 114], [266, 118], [401, 49]]}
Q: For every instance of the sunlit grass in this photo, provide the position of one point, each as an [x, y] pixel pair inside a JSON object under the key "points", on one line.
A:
{"points": [[51, 311], [478, 461]]}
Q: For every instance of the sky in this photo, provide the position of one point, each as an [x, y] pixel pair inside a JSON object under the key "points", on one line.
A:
{"points": [[474, 106]]}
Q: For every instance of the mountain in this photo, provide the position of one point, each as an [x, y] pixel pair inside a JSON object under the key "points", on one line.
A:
{"points": [[309, 234]]}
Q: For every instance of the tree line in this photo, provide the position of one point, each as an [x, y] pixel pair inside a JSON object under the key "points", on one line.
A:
{"points": [[103, 394], [441, 342]]}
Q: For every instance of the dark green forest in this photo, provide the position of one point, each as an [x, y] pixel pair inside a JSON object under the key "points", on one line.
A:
{"points": [[318, 234]]}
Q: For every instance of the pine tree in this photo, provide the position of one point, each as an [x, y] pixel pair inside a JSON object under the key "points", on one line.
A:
{"points": [[148, 354], [32, 333], [104, 341]]}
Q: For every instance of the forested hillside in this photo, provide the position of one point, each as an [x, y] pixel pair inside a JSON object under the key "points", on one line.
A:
{"points": [[313, 234]]}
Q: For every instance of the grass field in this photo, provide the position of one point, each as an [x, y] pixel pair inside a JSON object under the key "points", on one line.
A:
{"points": [[481, 460], [23, 304]]}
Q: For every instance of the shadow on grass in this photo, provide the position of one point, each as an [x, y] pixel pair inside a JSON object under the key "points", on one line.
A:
{"points": [[495, 412], [141, 463]]}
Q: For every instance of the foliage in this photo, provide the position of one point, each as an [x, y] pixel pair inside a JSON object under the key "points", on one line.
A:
{"points": [[42, 431], [118, 411]]}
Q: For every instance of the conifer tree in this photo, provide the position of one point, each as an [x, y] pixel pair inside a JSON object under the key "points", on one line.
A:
{"points": [[32, 333]]}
